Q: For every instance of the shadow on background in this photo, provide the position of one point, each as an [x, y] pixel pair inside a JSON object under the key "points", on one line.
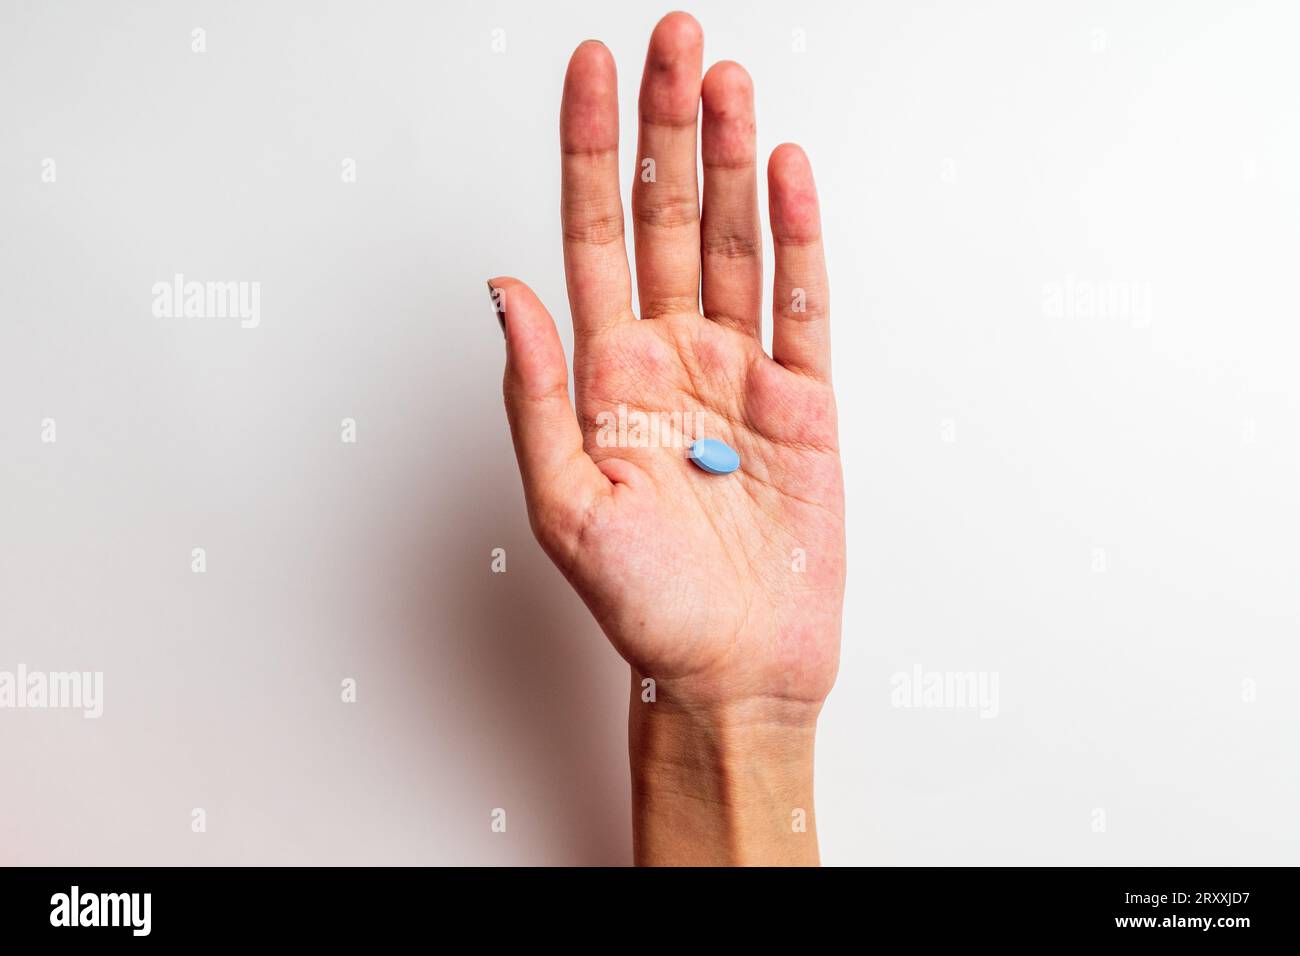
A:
{"points": [[528, 699]]}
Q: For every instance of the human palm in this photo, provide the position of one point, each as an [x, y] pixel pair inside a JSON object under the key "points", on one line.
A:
{"points": [[724, 588]]}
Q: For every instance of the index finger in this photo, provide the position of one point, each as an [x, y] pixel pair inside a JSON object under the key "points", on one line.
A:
{"points": [[591, 208]]}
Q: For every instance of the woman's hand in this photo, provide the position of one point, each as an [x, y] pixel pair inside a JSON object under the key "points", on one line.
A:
{"points": [[724, 590]]}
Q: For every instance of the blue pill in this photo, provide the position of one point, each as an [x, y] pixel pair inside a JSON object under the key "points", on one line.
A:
{"points": [[715, 457]]}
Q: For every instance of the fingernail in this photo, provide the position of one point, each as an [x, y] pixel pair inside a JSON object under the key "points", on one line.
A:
{"points": [[498, 306]]}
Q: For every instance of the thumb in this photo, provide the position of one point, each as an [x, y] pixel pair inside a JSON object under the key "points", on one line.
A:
{"points": [[561, 482]]}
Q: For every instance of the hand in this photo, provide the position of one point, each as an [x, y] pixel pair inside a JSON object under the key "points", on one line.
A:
{"points": [[725, 590]]}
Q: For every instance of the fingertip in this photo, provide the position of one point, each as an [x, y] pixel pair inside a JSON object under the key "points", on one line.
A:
{"points": [[590, 60], [789, 163], [508, 290], [534, 355], [589, 107], [792, 195], [727, 89], [670, 87], [517, 307], [728, 126], [675, 33]]}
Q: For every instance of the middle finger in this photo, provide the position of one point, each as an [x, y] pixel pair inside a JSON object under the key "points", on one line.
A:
{"points": [[665, 193]]}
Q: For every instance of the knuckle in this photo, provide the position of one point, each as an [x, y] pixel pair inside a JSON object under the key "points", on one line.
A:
{"points": [[732, 245], [667, 210], [594, 230]]}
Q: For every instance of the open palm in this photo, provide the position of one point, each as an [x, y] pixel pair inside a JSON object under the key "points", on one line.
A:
{"points": [[723, 588]]}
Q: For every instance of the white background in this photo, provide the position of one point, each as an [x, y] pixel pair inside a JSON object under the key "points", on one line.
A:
{"points": [[970, 157]]}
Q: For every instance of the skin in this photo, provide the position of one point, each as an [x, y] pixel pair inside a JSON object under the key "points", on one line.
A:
{"points": [[692, 576]]}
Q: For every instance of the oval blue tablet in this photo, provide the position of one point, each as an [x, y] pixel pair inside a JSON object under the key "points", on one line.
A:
{"points": [[715, 457]]}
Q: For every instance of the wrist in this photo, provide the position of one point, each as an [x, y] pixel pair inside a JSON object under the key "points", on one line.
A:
{"points": [[722, 783]]}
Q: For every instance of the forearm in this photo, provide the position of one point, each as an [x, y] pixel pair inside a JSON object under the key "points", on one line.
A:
{"points": [[721, 786]]}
